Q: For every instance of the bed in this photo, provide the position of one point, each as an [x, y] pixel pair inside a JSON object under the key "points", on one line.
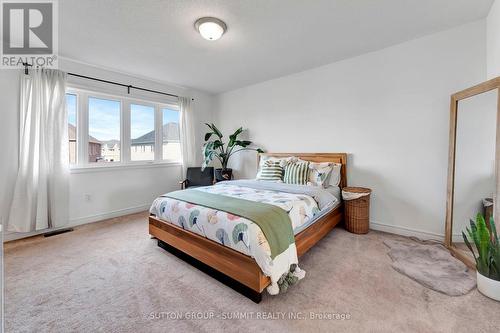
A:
{"points": [[235, 258]]}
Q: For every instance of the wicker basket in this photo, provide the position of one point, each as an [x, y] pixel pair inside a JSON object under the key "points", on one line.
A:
{"points": [[357, 211]]}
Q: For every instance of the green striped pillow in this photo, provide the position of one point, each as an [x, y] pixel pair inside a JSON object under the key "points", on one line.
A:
{"points": [[271, 171], [297, 173]]}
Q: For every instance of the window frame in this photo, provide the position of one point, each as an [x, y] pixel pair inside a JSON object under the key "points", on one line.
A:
{"points": [[82, 130]]}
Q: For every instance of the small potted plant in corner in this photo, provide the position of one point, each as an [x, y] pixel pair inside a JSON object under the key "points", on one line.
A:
{"points": [[222, 151], [485, 239]]}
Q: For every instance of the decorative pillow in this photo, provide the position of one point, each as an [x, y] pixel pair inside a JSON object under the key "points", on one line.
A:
{"points": [[282, 161], [335, 175], [319, 173], [297, 173], [271, 171]]}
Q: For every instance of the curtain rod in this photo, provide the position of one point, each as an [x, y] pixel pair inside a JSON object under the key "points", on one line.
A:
{"points": [[128, 86]]}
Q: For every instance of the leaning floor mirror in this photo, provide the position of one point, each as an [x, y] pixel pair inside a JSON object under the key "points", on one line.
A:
{"points": [[473, 163]]}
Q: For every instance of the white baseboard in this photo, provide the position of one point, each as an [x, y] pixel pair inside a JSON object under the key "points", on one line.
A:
{"points": [[392, 229], [405, 231], [109, 215], [9, 235]]}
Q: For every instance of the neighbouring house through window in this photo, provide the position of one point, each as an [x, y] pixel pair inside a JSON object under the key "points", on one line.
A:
{"points": [[117, 130], [104, 130], [142, 129], [71, 106], [171, 135]]}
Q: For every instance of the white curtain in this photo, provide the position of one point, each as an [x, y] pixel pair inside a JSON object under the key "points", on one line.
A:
{"points": [[188, 145], [41, 193]]}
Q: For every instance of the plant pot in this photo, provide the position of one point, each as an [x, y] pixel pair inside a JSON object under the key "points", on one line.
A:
{"points": [[223, 174], [488, 287]]}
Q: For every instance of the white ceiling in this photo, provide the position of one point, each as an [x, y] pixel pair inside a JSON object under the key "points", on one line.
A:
{"points": [[265, 38]]}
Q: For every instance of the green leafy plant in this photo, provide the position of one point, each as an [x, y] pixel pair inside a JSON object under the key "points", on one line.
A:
{"points": [[220, 150], [485, 240]]}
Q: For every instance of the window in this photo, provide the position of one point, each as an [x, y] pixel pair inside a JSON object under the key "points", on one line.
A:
{"points": [[142, 132], [171, 135], [72, 136], [104, 130], [113, 130]]}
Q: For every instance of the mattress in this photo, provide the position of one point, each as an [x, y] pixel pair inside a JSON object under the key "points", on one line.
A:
{"points": [[336, 192]]}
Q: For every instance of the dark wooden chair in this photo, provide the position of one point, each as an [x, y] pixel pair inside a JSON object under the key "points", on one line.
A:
{"points": [[195, 177]]}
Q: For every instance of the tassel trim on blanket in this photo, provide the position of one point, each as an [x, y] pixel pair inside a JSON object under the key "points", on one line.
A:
{"points": [[286, 280]]}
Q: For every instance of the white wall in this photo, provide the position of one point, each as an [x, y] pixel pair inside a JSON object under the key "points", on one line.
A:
{"points": [[388, 109], [493, 40], [113, 192]]}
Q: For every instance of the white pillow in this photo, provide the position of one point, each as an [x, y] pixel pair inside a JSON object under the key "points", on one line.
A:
{"points": [[335, 174], [319, 173]]}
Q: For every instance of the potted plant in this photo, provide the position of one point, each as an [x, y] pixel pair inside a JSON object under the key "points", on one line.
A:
{"points": [[222, 151], [487, 259]]}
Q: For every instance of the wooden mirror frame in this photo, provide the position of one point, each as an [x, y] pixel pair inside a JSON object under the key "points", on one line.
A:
{"points": [[455, 98]]}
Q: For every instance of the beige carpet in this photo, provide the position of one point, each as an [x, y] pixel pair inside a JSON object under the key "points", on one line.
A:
{"points": [[111, 277]]}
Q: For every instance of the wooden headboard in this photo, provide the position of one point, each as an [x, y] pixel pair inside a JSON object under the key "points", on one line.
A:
{"points": [[317, 157]]}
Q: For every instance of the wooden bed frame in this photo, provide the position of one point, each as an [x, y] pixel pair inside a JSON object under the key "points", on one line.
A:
{"points": [[235, 269]]}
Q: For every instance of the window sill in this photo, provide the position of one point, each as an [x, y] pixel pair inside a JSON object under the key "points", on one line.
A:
{"points": [[120, 166]]}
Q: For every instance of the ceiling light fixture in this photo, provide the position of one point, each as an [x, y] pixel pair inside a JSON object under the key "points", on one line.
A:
{"points": [[210, 28]]}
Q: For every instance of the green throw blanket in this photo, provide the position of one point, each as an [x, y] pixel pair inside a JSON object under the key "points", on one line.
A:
{"points": [[272, 220]]}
